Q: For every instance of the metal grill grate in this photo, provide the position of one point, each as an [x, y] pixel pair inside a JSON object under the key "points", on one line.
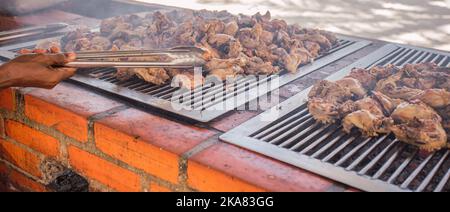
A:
{"points": [[372, 164], [205, 103]]}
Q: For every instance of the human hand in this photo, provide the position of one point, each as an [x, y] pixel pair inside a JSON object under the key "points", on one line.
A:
{"points": [[36, 70]]}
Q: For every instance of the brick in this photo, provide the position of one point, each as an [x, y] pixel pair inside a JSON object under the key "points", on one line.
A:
{"points": [[227, 167], [2, 127], [32, 138], [20, 157], [155, 187], [4, 170], [103, 171], [137, 153], [24, 183], [4, 187], [66, 108], [207, 179], [147, 142], [233, 120], [7, 99]]}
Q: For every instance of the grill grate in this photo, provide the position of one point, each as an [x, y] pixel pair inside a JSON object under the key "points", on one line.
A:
{"points": [[372, 164], [207, 102], [203, 103]]}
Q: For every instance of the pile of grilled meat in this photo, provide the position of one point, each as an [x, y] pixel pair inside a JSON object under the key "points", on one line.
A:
{"points": [[412, 102], [251, 45]]}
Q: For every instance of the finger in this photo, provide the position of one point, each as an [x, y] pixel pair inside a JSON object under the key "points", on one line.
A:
{"points": [[70, 56], [26, 57], [65, 73], [25, 51], [55, 49], [51, 59], [39, 51]]}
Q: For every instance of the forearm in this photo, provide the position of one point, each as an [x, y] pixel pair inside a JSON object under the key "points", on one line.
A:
{"points": [[5, 77]]}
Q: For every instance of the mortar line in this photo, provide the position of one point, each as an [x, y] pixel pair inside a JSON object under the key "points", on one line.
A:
{"points": [[183, 160], [18, 169], [91, 121], [70, 141]]}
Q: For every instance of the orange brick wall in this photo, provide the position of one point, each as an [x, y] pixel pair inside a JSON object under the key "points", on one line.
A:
{"points": [[120, 148], [114, 147]]}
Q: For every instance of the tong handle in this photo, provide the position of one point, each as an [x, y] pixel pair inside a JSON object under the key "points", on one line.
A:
{"points": [[179, 57]]}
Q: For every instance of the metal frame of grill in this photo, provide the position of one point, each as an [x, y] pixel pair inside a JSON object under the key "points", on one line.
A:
{"points": [[371, 164], [213, 98]]}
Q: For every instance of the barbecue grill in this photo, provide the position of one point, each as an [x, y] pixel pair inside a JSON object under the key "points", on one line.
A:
{"points": [[201, 104], [371, 164]]}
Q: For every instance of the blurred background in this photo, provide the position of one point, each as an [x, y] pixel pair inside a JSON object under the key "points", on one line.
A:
{"points": [[417, 22]]}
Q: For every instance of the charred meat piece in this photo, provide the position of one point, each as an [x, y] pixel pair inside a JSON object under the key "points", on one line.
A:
{"points": [[157, 76], [436, 98], [185, 78], [354, 86], [218, 40], [445, 115], [313, 48], [325, 99], [233, 49], [383, 72], [269, 45], [231, 28], [410, 102], [368, 118], [330, 91], [371, 105], [419, 125], [388, 104], [323, 111], [389, 86], [225, 63], [364, 77], [368, 123], [227, 73], [124, 74], [323, 42], [257, 66]]}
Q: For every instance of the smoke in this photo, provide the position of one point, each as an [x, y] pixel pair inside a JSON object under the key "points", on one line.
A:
{"points": [[19, 7]]}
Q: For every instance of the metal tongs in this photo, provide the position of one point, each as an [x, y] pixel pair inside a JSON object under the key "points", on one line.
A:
{"points": [[179, 57], [30, 31]]}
